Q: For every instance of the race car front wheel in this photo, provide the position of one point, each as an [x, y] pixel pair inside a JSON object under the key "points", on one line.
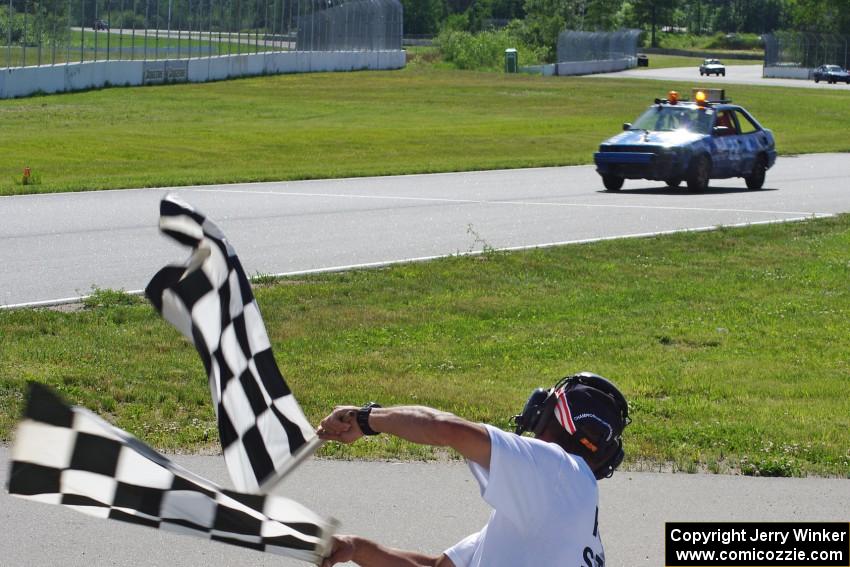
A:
{"points": [[612, 182], [699, 173], [755, 180]]}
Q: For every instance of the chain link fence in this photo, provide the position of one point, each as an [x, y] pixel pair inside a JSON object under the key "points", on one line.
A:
{"points": [[597, 46], [50, 32], [805, 50], [369, 25]]}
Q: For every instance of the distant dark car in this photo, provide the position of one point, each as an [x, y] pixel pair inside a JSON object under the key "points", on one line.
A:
{"points": [[712, 67], [831, 74], [101, 25], [693, 141]]}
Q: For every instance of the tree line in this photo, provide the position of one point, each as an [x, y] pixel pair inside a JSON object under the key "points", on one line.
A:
{"points": [[541, 17]]}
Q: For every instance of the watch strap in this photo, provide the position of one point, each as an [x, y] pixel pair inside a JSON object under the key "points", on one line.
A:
{"points": [[363, 418]]}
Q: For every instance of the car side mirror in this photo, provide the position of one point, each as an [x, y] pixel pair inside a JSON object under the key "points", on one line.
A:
{"points": [[627, 126], [721, 130]]}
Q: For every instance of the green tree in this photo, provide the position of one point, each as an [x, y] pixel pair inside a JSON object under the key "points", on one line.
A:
{"points": [[652, 15], [823, 16], [545, 19], [507, 9], [603, 15], [422, 16]]}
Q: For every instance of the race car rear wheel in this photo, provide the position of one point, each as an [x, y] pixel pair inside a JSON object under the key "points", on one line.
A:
{"points": [[755, 180], [612, 182], [699, 173]]}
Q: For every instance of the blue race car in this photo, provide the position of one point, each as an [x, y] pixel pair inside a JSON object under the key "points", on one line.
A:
{"points": [[688, 140]]}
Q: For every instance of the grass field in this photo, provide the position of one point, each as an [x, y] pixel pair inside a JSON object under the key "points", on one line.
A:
{"points": [[730, 345], [421, 119]]}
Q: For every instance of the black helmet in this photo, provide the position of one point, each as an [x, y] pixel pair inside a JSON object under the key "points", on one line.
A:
{"points": [[591, 409]]}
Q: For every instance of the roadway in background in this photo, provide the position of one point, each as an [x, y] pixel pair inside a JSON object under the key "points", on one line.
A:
{"points": [[58, 246], [735, 75]]}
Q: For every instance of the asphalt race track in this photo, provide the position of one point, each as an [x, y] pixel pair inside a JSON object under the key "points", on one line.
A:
{"points": [[423, 506], [58, 246]]}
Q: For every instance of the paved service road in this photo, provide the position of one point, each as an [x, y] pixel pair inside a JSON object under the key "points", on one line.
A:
{"points": [[424, 506], [735, 75], [58, 246]]}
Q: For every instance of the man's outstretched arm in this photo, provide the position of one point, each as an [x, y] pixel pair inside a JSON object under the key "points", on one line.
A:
{"points": [[418, 424], [367, 553]]}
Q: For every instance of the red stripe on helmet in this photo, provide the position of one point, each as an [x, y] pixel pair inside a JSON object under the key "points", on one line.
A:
{"points": [[562, 412]]}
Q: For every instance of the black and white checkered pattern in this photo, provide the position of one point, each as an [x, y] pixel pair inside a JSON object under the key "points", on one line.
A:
{"points": [[263, 431], [67, 455]]}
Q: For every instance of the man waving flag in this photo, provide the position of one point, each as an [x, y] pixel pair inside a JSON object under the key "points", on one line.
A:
{"points": [[208, 299]]}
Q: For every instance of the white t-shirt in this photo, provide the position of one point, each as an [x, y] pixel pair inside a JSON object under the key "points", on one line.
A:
{"points": [[544, 504]]}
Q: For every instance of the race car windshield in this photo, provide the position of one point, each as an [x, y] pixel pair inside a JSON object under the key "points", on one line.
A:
{"points": [[671, 118]]}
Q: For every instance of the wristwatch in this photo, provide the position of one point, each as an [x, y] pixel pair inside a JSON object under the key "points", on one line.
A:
{"points": [[363, 418]]}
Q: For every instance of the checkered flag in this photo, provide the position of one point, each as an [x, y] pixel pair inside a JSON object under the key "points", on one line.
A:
{"points": [[67, 455], [263, 431]]}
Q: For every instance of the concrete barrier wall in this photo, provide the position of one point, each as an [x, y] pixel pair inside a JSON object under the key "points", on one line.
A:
{"points": [[787, 72], [590, 67], [23, 81], [547, 70]]}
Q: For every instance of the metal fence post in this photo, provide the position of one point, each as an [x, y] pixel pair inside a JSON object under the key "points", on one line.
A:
{"points": [[53, 36], [82, 28], [39, 25], [175, 16], [95, 29], [109, 24], [133, 33], [9, 43], [24, 38], [123, 13], [147, 26], [239, 26], [220, 23]]}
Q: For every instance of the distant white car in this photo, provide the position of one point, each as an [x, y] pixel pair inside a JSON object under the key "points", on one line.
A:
{"points": [[712, 67]]}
